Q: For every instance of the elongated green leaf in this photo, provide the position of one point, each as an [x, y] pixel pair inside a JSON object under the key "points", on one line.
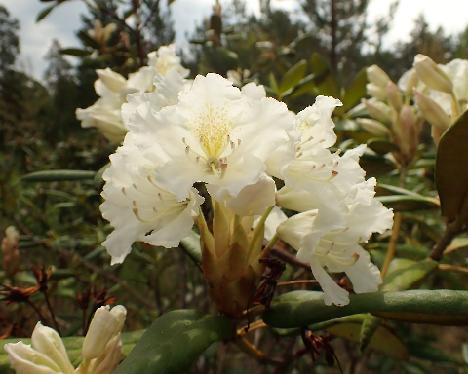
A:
{"points": [[59, 175], [452, 170], [174, 341], [355, 91], [404, 273], [320, 66], [293, 76], [408, 202], [368, 328], [45, 12], [77, 52], [191, 246], [301, 308], [383, 340], [421, 349], [388, 189], [381, 146]]}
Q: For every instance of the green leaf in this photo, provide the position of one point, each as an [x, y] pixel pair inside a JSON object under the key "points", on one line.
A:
{"points": [[368, 328], [421, 349], [191, 246], [273, 83], [452, 170], [356, 90], [406, 203], [404, 273], [383, 340], [319, 65], [174, 341], [293, 76], [76, 52], [376, 165], [59, 175], [301, 308], [381, 146], [45, 12], [389, 189]]}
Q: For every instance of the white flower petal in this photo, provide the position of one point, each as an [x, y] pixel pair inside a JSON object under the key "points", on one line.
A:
{"points": [[364, 275], [48, 342], [26, 360], [333, 294]]}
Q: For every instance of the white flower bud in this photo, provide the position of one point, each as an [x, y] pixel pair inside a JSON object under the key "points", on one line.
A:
{"points": [[432, 112], [105, 324], [376, 91], [26, 360], [112, 80], [48, 342], [431, 74], [394, 96], [379, 110], [377, 76], [111, 358], [373, 126], [408, 81]]}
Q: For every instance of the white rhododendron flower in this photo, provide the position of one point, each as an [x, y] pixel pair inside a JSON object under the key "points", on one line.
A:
{"points": [[101, 351], [138, 207], [164, 60], [337, 207], [327, 240], [163, 74], [211, 135]]}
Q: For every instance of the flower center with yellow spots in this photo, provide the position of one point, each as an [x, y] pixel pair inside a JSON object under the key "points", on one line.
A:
{"points": [[212, 128]]}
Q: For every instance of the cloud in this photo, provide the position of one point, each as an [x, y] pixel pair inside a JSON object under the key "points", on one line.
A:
{"points": [[36, 37], [64, 21]]}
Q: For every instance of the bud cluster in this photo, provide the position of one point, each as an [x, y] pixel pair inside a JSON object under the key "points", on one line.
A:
{"points": [[101, 350], [429, 91], [392, 115]]}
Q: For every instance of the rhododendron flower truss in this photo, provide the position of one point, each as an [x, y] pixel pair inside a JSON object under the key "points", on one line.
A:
{"points": [[236, 141]]}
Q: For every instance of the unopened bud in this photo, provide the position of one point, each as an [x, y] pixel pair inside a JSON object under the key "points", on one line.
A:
{"points": [[111, 358], [408, 129], [408, 81], [379, 110], [111, 80], [394, 96], [373, 126], [377, 76], [376, 91], [432, 112], [48, 342], [431, 74], [105, 324], [10, 251], [26, 360]]}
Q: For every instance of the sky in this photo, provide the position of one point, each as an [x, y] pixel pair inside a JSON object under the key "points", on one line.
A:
{"points": [[63, 22]]}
